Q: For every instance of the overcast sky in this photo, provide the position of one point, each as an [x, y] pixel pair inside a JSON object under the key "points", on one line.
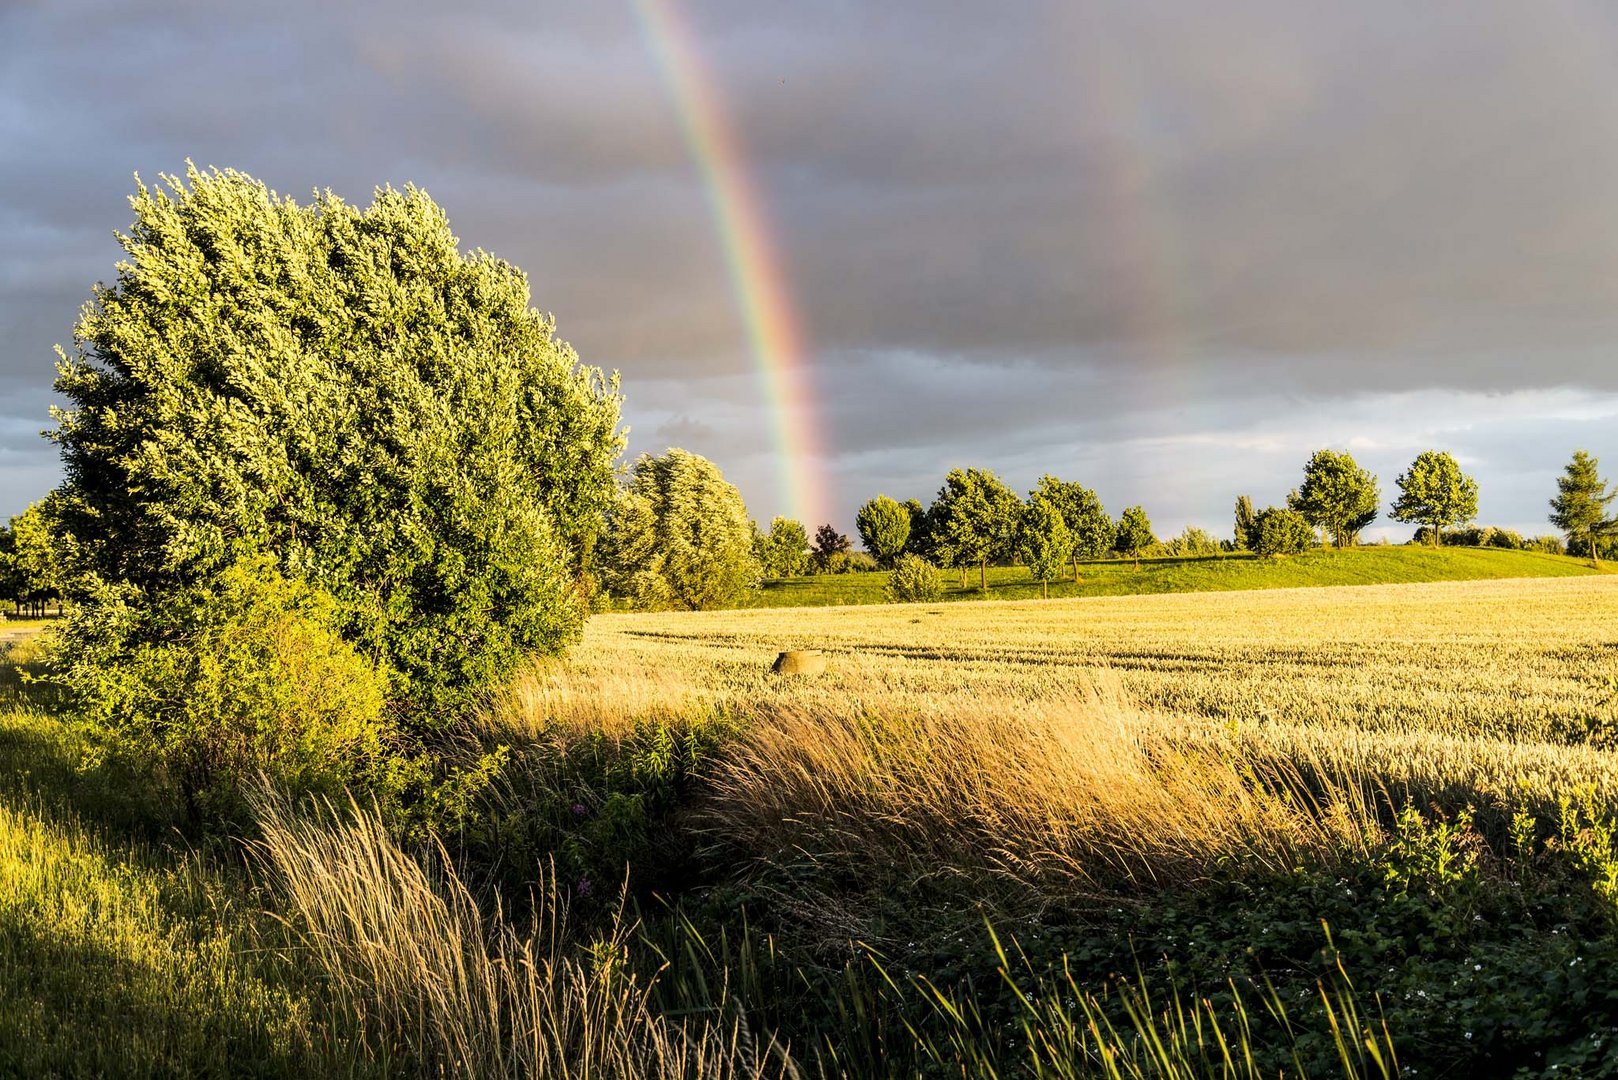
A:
{"points": [[1167, 249]]}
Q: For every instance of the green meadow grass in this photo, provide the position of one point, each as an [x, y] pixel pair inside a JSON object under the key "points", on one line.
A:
{"points": [[1378, 565], [125, 951]]}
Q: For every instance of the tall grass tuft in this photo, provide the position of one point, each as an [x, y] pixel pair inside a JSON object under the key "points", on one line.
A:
{"points": [[453, 992], [1072, 790]]}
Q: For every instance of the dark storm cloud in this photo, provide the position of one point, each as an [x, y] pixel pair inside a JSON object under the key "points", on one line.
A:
{"points": [[1113, 239]]}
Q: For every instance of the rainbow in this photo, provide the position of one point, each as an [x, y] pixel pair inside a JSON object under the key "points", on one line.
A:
{"points": [[757, 283]]}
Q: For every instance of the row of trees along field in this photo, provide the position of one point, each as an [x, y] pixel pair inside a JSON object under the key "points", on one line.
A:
{"points": [[679, 536], [977, 520]]}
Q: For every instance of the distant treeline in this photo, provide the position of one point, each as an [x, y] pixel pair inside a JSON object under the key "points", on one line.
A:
{"points": [[977, 520]]}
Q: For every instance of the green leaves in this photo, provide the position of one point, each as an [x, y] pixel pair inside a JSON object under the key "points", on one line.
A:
{"points": [[1043, 540], [974, 518], [1087, 522], [1280, 530], [680, 536], [784, 550], [884, 528], [1580, 506], [1337, 496], [1434, 492], [1134, 533]]}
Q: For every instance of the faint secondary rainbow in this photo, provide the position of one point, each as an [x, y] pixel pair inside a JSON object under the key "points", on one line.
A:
{"points": [[757, 283]]}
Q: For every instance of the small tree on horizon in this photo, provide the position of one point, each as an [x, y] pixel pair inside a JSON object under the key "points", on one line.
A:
{"points": [[1087, 522], [30, 565], [1044, 541], [1580, 506], [784, 550], [679, 536], [1337, 496], [1246, 524], [1134, 534], [829, 543], [976, 519], [884, 528], [1434, 492]]}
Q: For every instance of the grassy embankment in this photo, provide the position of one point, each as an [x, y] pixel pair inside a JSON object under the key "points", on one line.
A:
{"points": [[1180, 786], [1375, 565]]}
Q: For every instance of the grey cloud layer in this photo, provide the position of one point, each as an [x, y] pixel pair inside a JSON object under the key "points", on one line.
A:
{"points": [[1085, 228]]}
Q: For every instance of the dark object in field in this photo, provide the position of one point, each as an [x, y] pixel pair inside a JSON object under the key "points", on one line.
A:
{"points": [[800, 662]]}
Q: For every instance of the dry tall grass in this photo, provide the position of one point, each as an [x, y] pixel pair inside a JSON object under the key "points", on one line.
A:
{"points": [[1076, 792], [451, 992]]}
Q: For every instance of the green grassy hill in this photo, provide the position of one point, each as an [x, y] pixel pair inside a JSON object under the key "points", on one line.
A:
{"points": [[1378, 565]]}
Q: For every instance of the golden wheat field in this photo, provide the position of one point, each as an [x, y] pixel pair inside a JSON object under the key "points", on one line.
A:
{"points": [[1499, 688]]}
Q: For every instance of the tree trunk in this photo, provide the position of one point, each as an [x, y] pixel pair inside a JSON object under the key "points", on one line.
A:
{"points": [[1047, 587], [1075, 567], [983, 575]]}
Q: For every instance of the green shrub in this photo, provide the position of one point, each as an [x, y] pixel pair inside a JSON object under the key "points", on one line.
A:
{"points": [[914, 580], [859, 562], [1546, 545], [1192, 542], [1509, 539], [1282, 532], [223, 683]]}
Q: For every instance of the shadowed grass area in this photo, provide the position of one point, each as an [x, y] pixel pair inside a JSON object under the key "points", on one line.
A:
{"points": [[1377, 565], [124, 951]]}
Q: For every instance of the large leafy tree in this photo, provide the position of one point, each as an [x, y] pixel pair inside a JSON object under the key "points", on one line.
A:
{"points": [[976, 517], [1434, 492], [679, 536], [1337, 496], [1043, 540], [884, 528], [342, 389], [1580, 506], [1088, 525]]}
